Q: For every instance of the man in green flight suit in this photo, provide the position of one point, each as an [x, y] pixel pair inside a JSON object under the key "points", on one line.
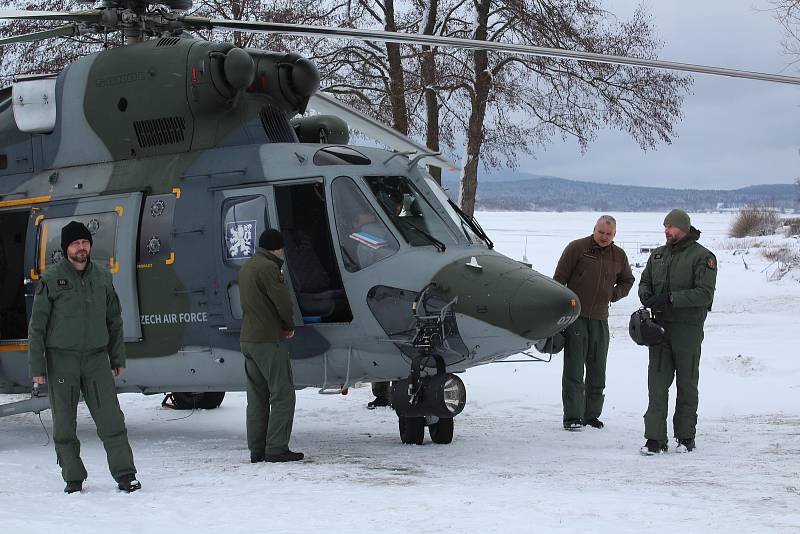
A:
{"points": [[598, 272], [76, 345], [678, 284], [267, 321]]}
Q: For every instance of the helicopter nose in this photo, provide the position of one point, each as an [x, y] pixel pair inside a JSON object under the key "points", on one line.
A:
{"points": [[507, 294]]}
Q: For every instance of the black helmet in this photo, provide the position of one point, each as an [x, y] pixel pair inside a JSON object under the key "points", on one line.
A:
{"points": [[551, 345], [644, 330]]}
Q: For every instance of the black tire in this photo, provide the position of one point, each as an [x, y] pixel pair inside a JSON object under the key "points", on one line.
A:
{"points": [[442, 432], [412, 429], [204, 401]]}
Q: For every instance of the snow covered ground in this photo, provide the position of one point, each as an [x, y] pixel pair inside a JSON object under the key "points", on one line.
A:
{"points": [[510, 468]]}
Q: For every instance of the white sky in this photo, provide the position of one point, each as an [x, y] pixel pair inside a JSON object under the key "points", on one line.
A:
{"points": [[734, 132]]}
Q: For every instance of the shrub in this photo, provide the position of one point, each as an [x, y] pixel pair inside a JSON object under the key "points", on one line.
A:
{"points": [[793, 225], [755, 221]]}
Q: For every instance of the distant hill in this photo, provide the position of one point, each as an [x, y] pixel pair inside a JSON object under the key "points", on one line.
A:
{"points": [[556, 194]]}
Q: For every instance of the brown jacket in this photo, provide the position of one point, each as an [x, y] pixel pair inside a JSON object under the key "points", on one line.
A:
{"points": [[596, 274]]}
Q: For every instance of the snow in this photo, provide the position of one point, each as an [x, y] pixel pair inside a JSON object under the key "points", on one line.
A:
{"points": [[510, 467]]}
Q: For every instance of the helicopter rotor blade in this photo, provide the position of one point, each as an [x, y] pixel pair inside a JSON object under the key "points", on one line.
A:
{"points": [[325, 103], [471, 44], [62, 31], [92, 15]]}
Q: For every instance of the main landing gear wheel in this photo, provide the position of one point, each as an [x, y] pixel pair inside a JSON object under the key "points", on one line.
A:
{"points": [[442, 431], [412, 429], [204, 401]]}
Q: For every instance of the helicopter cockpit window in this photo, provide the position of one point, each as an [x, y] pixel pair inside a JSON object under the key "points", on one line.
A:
{"points": [[414, 217], [340, 155], [364, 239], [244, 219], [455, 217], [102, 226]]}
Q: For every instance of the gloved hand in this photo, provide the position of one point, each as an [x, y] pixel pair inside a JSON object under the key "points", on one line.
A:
{"points": [[657, 301]]}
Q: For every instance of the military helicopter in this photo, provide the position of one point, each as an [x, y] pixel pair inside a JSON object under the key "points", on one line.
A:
{"points": [[177, 152]]}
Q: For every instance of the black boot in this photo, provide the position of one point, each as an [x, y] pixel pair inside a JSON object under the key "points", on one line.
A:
{"points": [[572, 424], [379, 402], [593, 422], [256, 457], [653, 446], [129, 484], [685, 445], [287, 456], [74, 486]]}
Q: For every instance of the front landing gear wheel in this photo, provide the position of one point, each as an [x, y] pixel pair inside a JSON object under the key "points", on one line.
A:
{"points": [[442, 432], [412, 429]]}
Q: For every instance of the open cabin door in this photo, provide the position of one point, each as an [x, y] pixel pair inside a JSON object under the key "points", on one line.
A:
{"points": [[113, 221], [242, 213]]}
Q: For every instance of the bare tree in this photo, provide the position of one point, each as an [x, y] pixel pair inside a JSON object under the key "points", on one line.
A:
{"points": [[518, 105], [788, 14]]}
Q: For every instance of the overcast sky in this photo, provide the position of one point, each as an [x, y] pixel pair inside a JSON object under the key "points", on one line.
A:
{"points": [[734, 132]]}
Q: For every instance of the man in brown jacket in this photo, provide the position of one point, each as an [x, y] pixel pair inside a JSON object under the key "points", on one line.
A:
{"points": [[267, 322], [599, 273]]}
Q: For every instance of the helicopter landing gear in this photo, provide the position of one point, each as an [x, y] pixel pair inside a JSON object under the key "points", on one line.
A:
{"points": [[442, 431], [412, 429], [431, 401]]}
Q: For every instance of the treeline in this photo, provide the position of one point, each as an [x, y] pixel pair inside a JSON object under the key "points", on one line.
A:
{"points": [[556, 194]]}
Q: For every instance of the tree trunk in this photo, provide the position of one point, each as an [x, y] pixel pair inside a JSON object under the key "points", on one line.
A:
{"points": [[482, 85], [397, 84], [428, 82]]}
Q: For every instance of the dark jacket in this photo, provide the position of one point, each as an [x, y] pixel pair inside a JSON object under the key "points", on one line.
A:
{"points": [[266, 303], [76, 311], [598, 275], [688, 271]]}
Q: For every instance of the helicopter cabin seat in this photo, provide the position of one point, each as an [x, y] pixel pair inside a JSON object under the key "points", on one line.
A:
{"points": [[311, 281]]}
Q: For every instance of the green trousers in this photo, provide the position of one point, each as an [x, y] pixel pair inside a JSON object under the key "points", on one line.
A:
{"points": [[70, 374], [382, 390], [585, 351], [677, 357], [270, 397]]}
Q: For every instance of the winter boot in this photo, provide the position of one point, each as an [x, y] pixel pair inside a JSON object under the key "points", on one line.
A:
{"points": [[256, 457], [287, 456], [74, 486], [129, 484], [593, 422], [573, 425], [379, 402], [653, 446], [685, 445]]}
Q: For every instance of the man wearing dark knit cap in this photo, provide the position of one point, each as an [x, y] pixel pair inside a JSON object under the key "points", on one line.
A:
{"points": [[77, 349], [678, 285], [267, 322]]}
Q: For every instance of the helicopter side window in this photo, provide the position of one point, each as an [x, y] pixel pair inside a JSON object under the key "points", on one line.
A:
{"points": [[414, 217], [364, 239], [244, 218], [102, 226]]}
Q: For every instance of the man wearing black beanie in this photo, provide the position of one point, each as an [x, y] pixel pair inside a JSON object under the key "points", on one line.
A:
{"points": [[79, 349], [267, 322]]}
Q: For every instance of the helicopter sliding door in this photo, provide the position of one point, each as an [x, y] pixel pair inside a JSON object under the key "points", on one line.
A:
{"points": [[113, 221], [243, 213]]}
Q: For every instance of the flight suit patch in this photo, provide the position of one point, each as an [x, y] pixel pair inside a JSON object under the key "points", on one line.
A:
{"points": [[63, 283], [658, 255], [711, 262]]}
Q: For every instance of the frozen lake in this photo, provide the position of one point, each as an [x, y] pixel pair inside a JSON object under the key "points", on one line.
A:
{"points": [[511, 467]]}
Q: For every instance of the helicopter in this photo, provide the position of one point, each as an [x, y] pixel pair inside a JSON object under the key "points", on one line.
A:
{"points": [[177, 152]]}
